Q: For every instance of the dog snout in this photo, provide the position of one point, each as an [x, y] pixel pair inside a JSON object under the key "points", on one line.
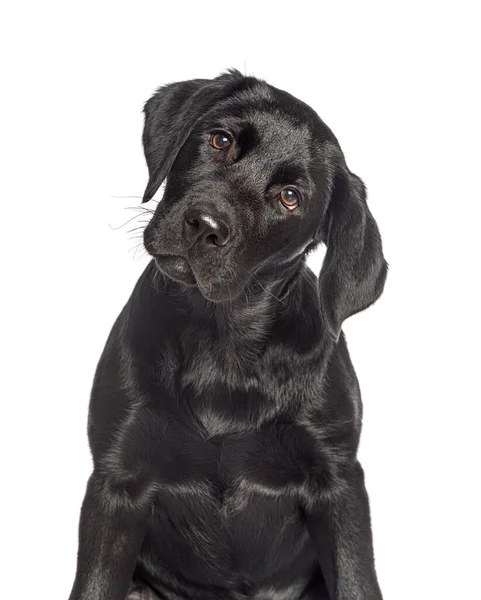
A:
{"points": [[204, 228]]}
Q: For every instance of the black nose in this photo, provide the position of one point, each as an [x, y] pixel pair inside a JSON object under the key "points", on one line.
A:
{"points": [[200, 227]]}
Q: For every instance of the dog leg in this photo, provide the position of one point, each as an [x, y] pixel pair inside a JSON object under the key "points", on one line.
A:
{"points": [[111, 532], [340, 529]]}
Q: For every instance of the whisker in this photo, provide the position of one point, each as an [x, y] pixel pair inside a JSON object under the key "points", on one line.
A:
{"points": [[265, 290], [127, 222], [143, 209], [128, 197], [137, 249], [136, 229]]}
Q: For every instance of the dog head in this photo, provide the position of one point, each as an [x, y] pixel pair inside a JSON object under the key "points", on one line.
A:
{"points": [[255, 180]]}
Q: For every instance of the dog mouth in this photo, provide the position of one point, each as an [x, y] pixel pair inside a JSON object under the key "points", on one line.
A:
{"points": [[176, 267], [225, 286]]}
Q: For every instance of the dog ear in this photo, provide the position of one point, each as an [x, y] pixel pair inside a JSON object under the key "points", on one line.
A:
{"points": [[170, 115], [354, 270]]}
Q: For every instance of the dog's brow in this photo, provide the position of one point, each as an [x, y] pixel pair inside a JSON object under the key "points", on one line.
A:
{"points": [[288, 173]]}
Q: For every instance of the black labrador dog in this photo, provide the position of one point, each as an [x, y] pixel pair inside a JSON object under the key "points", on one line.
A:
{"points": [[225, 413]]}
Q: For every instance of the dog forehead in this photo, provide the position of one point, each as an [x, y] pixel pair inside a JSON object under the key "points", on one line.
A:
{"points": [[265, 127], [275, 115], [278, 131]]}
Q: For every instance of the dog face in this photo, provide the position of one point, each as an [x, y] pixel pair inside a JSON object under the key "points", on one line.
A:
{"points": [[255, 180]]}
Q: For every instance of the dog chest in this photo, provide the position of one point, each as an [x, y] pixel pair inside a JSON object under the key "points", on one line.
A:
{"points": [[277, 460], [232, 506]]}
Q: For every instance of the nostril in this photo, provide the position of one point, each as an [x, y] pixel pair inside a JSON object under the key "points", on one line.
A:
{"points": [[213, 239], [222, 236], [201, 227]]}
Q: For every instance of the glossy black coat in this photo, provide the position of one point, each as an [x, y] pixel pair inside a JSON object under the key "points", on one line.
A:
{"points": [[225, 413]]}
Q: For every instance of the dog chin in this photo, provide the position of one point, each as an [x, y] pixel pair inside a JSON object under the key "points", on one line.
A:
{"points": [[217, 293], [179, 269]]}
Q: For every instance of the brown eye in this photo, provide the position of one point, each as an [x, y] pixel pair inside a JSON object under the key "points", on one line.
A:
{"points": [[290, 198], [220, 140]]}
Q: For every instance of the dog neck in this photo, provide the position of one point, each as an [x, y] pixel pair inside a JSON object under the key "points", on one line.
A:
{"points": [[240, 328], [243, 326]]}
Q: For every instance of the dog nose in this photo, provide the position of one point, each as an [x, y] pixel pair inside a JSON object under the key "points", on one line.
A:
{"points": [[202, 228]]}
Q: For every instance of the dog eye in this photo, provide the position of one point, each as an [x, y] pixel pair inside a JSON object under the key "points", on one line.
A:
{"points": [[290, 198], [220, 140]]}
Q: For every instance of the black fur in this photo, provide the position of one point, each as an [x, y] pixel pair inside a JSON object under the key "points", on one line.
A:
{"points": [[225, 414]]}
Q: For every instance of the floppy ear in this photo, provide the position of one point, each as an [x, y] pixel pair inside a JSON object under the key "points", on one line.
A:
{"points": [[354, 270], [170, 116]]}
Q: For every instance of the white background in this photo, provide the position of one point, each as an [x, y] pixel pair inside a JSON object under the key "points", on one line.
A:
{"points": [[398, 84]]}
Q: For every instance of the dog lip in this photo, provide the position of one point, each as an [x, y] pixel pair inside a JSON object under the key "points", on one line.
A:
{"points": [[176, 267], [179, 263]]}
